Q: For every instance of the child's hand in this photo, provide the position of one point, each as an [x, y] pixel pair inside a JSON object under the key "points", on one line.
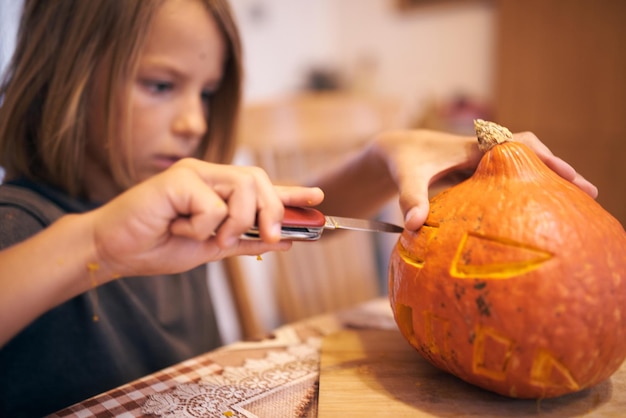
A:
{"points": [[193, 213], [559, 166], [419, 159]]}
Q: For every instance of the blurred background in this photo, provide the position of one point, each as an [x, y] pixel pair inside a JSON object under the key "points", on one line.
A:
{"points": [[433, 50], [325, 73], [555, 67]]}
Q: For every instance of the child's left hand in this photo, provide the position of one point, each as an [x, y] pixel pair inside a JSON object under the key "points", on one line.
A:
{"points": [[420, 159]]}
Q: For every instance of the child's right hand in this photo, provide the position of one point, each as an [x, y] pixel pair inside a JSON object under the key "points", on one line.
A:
{"points": [[190, 214]]}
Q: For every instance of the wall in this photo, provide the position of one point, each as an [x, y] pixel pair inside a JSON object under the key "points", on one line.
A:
{"points": [[436, 50], [9, 21], [282, 39]]}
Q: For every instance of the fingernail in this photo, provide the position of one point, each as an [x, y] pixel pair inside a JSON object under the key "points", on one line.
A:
{"points": [[231, 241], [276, 230], [410, 214]]}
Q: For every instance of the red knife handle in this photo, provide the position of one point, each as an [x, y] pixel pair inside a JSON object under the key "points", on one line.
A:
{"points": [[303, 217]]}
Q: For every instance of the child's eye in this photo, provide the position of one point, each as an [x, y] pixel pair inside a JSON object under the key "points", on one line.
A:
{"points": [[207, 95], [156, 86]]}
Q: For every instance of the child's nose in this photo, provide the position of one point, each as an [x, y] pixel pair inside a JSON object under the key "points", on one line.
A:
{"points": [[191, 119]]}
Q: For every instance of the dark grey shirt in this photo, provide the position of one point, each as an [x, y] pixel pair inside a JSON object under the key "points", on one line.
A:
{"points": [[145, 323]]}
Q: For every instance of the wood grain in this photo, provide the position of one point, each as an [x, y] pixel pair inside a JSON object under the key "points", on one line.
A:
{"points": [[375, 373]]}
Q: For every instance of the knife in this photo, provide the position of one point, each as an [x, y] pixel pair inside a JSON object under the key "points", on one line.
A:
{"points": [[307, 224]]}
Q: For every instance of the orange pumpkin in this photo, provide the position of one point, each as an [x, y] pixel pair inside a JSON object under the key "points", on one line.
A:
{"points": [[516, 282]]}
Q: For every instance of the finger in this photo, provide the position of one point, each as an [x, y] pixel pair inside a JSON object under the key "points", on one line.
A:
{"points": [[586, 186], [560, 167], [239, 190], [252, 198], [300, 196], [270, 210], [180, 254], [256, 247], [568, 172], [556, 164], [249, 193], [210, 250], [414, 203], [530, 139], [201, 211], [416, 216]]}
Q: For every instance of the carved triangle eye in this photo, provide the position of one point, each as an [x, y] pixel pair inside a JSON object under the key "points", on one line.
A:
{"points": [[481, 256], [416, 254]]}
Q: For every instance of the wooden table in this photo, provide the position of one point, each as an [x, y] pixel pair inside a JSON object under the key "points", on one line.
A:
{"points": [[375, 373], [347, 364]]}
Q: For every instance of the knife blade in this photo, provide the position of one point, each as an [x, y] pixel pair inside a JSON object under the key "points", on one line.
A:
{"points": [[307, 224]]}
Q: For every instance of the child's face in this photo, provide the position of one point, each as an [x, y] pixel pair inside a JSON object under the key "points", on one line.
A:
{"points": [[179, 68]]}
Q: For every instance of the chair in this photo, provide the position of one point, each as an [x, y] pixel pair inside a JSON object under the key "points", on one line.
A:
{"points": [[294, 138]]}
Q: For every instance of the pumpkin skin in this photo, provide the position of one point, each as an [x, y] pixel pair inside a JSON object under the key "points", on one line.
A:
{"points": [[516, 282]]}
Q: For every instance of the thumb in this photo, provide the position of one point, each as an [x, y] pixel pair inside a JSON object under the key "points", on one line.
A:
{"points": [[415, 205], [416, 216]]}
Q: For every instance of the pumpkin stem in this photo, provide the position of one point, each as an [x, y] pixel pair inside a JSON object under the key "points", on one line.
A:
{"points": [[490, 134]]}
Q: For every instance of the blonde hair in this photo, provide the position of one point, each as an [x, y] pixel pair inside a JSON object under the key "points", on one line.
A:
{"points": [[45, 91]]}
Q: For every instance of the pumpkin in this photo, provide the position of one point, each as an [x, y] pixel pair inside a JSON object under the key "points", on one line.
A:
{"points": [[516, 282]]}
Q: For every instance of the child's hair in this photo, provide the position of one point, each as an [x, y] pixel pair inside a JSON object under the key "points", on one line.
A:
{"points": [[45, 91]]}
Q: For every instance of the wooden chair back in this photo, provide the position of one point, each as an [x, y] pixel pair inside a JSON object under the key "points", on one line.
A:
{"points": [[294, 139]]}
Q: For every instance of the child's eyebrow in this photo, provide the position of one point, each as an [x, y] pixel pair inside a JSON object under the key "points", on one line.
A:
{"points": [[170, 67]]}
